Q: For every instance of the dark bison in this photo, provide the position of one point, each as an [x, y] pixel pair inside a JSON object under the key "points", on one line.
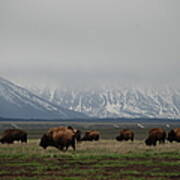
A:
{"points": [[59, 137], [125, 135], [11, 135], [91, 135], [156, 134], [174, 135]]}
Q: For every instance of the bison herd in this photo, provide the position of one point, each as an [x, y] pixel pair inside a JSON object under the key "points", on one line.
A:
{"points": [[64, 137]]}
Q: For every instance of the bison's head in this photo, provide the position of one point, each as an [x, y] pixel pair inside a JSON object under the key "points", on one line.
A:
{"points": [[44, 141], [148, 142], [119, 138], [151, 141], [171, 136]]}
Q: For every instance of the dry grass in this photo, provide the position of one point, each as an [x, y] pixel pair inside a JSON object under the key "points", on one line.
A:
{"points": [[98, 147], [113, 146]]}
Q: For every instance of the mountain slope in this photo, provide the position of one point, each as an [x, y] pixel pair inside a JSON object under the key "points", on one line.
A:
{"points": [[118, 102], [17, 102]]}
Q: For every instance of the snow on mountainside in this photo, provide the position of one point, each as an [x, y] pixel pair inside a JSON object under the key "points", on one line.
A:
{"points": [[118, 102], [17, 102]]}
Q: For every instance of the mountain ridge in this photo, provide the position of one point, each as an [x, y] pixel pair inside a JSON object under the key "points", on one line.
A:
{"points": [[18, 102], [122, 102], [119, 102]]}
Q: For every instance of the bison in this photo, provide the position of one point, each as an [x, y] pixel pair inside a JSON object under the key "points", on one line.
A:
{"points": [[59, 137], [11, 135], [174, 135], [77, 133], [91, 135], [126, 135], [156, 134]]}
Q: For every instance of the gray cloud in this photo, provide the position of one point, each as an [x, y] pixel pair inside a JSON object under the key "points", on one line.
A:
{"points": [[92, 42]]}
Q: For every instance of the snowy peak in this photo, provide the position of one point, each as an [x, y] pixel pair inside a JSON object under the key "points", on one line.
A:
{"points": [[119, 102], [18, 102]]}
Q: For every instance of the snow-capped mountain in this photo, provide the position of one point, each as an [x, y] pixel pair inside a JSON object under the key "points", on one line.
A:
{"points": [[18, 102], [118, 102]]}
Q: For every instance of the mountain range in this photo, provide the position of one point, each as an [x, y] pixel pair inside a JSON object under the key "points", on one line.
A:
{"points": [[107, 102], [18, 102], [117, 102]]}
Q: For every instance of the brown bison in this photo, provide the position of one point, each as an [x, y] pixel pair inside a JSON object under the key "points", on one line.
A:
{"points": [[125, 135], [77, 133], [156, 134], [174, 135], [59, 137], [11, 135], [91, 135]]}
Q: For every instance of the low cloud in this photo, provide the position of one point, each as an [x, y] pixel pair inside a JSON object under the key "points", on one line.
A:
{"points": [[90, 43]]}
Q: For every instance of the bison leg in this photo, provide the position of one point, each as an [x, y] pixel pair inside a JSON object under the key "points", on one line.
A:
{"points": [[154, 143], [24, 139], [117, 138], [61, 148], [66, 148], [162, 141], [73, 144], [10, 142]]}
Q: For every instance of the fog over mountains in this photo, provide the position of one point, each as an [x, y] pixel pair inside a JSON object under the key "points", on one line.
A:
{"points": [[117, 102], [18, 102]]}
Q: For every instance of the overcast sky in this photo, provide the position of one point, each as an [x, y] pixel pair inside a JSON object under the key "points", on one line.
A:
{"points": [[82, 42]]}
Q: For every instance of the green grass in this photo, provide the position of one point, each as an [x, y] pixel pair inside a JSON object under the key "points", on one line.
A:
{"points": [[89, 162], [24, 178]]}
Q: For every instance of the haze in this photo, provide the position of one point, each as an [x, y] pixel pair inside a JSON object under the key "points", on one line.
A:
{"points": [[90, 42]]}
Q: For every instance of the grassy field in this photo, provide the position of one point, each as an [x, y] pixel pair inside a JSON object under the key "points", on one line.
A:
{"points": [[103, 160], [106, 159]]}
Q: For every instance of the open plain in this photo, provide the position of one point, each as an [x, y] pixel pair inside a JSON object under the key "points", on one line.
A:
{"points": [[102, 160]]}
